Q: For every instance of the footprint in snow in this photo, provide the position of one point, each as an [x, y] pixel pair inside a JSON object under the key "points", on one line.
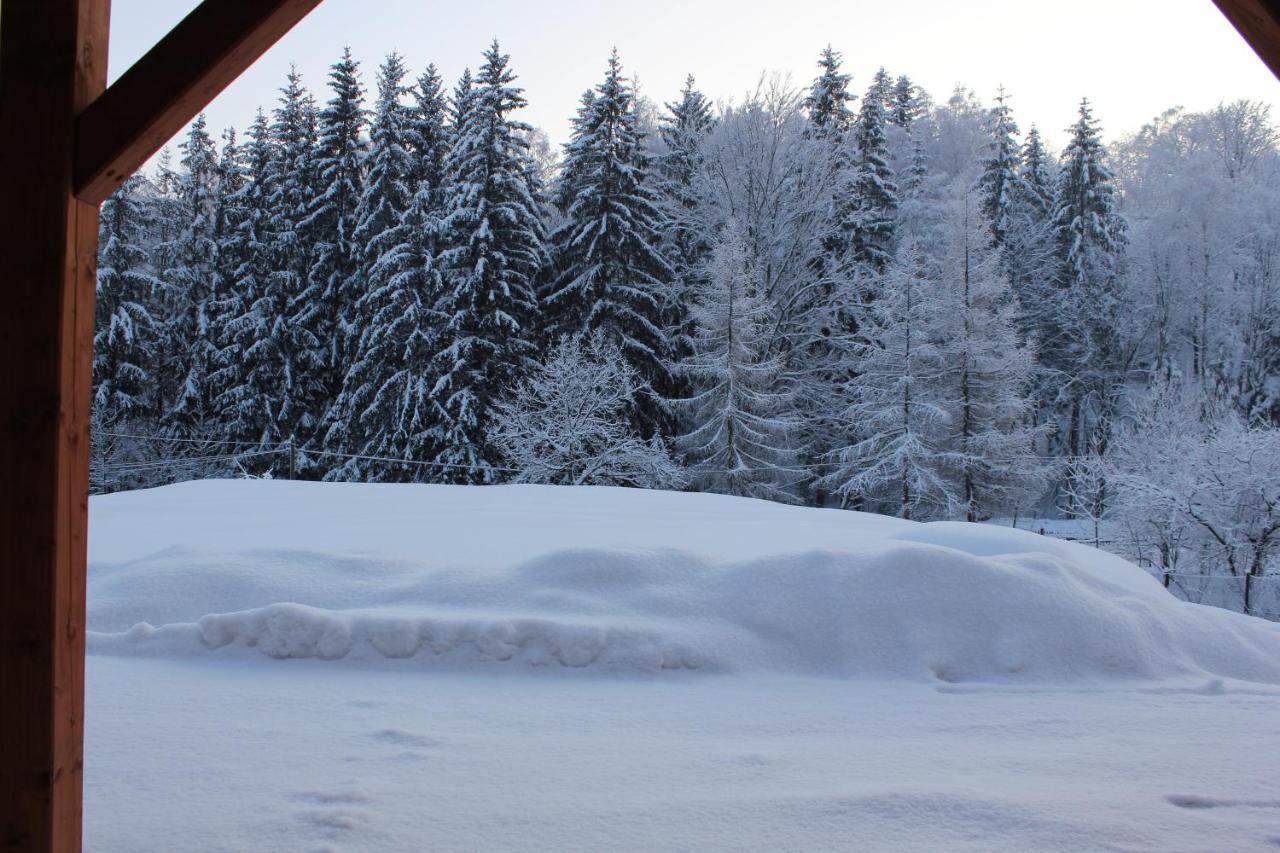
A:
{"points": [[400, 737], [1195, 801]]}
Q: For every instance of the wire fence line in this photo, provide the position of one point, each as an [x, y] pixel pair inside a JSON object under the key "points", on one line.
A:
{"points": [[212, 457], [1255, 595]]}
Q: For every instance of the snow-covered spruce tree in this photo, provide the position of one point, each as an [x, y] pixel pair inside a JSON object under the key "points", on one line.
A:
{"points": [[334, 279], [188, 348], [1036, 175], [384, 408], [300, 391], [998, 183], [905, 103], [567, 423], [1029, 253], [246, 377], [428, 135], [742, 428], [829, 99], [1082, 339], [683, 131], [610, 273], [276, 385], [989, 369], [228, 214], [388, 185], [125, 335], [870, 203], [898, 418], [460, 102], [492, 242]]}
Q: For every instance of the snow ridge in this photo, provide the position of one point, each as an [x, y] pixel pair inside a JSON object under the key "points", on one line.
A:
{"points": [[663, 581]]}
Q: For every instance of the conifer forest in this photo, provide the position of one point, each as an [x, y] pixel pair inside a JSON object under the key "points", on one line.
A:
{"points": [[833, 293]]}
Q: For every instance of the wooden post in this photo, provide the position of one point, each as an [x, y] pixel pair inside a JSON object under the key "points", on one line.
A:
{"points": [[64, 145], [52, 64]]}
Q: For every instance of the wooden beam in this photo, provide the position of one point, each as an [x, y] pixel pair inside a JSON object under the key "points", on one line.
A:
{"points": [[53, 62], [1259, 22], [177, 78]]}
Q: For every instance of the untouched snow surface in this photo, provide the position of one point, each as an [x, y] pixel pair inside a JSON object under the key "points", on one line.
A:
{"points": [[540, 668], [622, 580]]}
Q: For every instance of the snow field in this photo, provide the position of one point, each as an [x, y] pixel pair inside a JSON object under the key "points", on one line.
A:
{"points": [[621, 581]]}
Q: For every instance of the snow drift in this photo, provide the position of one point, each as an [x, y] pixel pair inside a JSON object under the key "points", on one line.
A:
{"points": [[618, 580]]}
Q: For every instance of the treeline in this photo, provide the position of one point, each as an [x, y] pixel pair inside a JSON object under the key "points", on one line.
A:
{"points": [[872, 301]]}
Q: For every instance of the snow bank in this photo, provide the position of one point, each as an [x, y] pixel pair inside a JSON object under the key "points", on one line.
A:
{"points": [[617, 580]]}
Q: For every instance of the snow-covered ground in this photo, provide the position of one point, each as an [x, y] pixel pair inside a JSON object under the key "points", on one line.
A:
{"points": [[293, 666]]}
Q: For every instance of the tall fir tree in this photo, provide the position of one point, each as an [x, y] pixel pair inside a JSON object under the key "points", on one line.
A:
{"points": [[871, 202], [492, 254], [188, 271], [378, 231], [905, 106], [610, 272], [1036, 176], [334, 279], [1089, 233], [227, 217], [296, 374], [253, 354], [428, 135], [683, 131], [829, 99], [124, 341], [998, 183]]}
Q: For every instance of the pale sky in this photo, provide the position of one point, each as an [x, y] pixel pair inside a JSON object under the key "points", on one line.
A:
{"points": [[1132, 58]]}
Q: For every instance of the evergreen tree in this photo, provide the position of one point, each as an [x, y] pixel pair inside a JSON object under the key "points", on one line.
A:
{"points": [[905, 105], [250, 355], [461, 101], [334, 279], [998, 182], [299, 340], [829, 97], [189, 260], [1036, 176], [741, 432], [1090, 235], [1029, 253], [125, 331], [492, 253], [227, 217], [428, 135], [610, 272], [683, 130], [390, 311], [872, 199]]}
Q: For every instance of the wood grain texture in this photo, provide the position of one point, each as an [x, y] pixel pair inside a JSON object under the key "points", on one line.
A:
{"points": [[1259, 22], [52, 64], [168, 86]]}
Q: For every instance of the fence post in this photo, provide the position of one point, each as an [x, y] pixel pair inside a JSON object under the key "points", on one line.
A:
{"points": [[1165, 576], [293, 458], [1248, 590]]}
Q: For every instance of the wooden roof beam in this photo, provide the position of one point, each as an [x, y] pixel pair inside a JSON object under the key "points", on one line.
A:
{"points": [[1259, 22], [120, 130]]}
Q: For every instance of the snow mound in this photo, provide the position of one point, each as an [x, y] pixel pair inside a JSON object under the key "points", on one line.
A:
{"points": [[618, 580]]}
